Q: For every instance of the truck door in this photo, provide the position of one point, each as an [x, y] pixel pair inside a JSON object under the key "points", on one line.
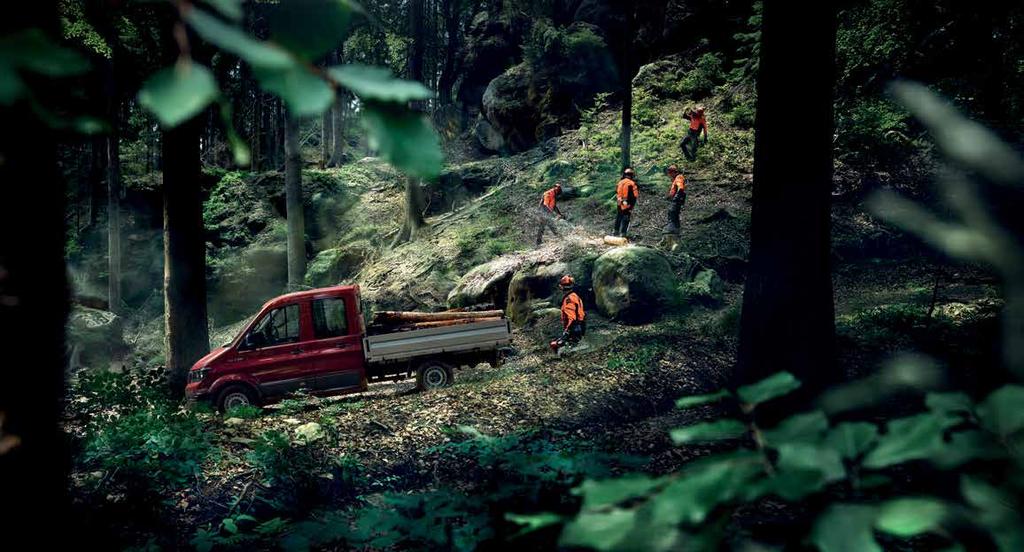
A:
{"points": [[274, 354], [337, 343]]}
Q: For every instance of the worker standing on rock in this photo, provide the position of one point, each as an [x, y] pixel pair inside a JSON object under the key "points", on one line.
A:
{"points": [[676, 198], [626, 194], [574, 325], [549, 211], [698, 124]]}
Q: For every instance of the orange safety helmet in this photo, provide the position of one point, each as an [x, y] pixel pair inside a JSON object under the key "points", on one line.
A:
{"points": [[566, 282]]}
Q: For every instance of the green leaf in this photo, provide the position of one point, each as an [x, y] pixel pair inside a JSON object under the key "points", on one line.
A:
{"points": [[240, 150], [306, 94], [232, 9], [12, 88], [949, 402], [769, 388], [1002, 412], [232, 39], [697, 400], [533, 522], [802, 428], [708, 431], [404, 139], [811, 468], [610, 492], [851, 439], [599, 530], [702, 486], [230, 526], [907, 439], [378, 84], [176, 94], [310, 28], [32, 50], [965, 446], [906, 517], [846, 528]]}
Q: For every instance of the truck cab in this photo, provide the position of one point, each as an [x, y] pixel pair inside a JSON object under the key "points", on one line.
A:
{"points": [[309, 340]]}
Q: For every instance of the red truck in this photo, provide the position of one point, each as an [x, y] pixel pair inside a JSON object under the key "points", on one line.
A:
{"points": [[317, 341]]}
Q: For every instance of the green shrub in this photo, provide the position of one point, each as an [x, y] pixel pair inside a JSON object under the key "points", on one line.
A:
{"points": [[245, 412], [636, 360], [706, 74]]}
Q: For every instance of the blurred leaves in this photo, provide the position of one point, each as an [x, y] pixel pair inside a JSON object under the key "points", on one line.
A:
{"points": [[846, 528], [305, 94], [1002, 412], [232, 39], [708, 431], [769, 388], [851, 439], [907, 517], [232, 9], [31, 51], [697, 400], [311, 28], [178, 93], [404, 139], [378, 84]]}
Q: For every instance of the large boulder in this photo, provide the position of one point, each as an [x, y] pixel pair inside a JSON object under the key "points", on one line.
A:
{"points": [[461, 183], [532, 288], [506, 104], [486, 284], [489, 139], [493, 43], [706, 288], [634, 284], [95, 337]]}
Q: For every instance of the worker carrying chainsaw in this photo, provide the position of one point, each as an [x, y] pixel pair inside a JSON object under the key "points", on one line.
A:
{"points": [[626, 194], [549, 211], [574, 325], [698, 124], [676, 198]]}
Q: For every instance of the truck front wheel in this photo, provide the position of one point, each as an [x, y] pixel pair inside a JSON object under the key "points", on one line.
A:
{"points": [[235, 396], [434, 374]]}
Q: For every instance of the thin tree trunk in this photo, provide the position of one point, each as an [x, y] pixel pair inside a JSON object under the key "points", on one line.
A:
{"points": [[337, 113], [257, 133], [627, 122], [186, 333], [326, 137], [414, 202], [34, 456], [114, 209], [293, 201], [788, 317]]}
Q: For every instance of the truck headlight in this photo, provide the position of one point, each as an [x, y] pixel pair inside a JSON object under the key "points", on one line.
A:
{"points": [[196, 376]]}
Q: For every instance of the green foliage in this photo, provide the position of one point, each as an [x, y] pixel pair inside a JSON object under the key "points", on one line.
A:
{"points": [[706, 74], [873, 127], [74, 26], [31, 51], [305, 94], [150, 450], [636, 360], [245, 412], [404, 139], [378, 84], [178, 93]]}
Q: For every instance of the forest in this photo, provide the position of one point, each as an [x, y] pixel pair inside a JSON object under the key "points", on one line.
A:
{"points": [[512, 275]]}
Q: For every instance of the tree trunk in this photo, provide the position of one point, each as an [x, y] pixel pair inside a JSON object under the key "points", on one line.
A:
{"points": [[114, 211], [445, 83], [326, 137], [186, 334], [257, 133], [788, 318], [337, 113], [293, 201], [34, 456], [414, 202], [627, 121]]}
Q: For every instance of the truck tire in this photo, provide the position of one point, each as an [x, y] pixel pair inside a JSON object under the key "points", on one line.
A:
{"points": [[234, 396], [433, 375]]}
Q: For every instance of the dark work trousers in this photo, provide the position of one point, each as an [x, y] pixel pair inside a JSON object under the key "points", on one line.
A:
{"points": [[690, 143], [675, 207], [545, 221], [622, 222], [575, 332]]}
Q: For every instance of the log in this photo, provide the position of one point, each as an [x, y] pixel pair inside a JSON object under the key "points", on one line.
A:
{"points": [[456, 322], [615, 240], [392, 317]]}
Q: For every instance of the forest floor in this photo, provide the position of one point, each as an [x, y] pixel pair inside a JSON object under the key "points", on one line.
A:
{"points": [[615, 398]]}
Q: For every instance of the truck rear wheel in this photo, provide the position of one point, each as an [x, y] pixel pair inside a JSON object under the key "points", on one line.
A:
{"points": [[434, 374]]}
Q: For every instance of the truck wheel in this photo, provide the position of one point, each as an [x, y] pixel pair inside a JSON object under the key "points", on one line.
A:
{"points": [[432, 375], [234, 396]]}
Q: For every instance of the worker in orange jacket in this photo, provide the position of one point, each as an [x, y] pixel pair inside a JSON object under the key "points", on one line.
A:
{"points": [[676, 198], [549, 211], [626, 194], [698, 124], [574, 325]]}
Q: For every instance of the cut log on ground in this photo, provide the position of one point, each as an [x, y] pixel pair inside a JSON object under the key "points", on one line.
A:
{"points": [[396, 317], [615, 240]]}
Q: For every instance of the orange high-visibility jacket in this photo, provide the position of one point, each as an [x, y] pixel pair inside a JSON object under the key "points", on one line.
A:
{"points": [[548, 200], [698, 122], [572, 309], [678, 185], [622, 193]]}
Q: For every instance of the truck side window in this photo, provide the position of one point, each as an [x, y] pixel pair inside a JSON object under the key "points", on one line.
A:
{"points": [[278, 326], [329, 318]]}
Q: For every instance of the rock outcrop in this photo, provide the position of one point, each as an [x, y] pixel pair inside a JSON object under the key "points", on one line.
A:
{"points": [[634, 284]]}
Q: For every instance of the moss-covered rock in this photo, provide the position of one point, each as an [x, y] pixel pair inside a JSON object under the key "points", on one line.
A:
{"points": [[95, 336], [530, 285], [634, 284], [485, 284], [333, 266], [706, 288]]}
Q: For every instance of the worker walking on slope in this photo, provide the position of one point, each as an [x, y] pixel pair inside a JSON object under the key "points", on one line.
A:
{"points": [[574, 325], [698, 124], [626, 194], [549, 211], [676, 198]]}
